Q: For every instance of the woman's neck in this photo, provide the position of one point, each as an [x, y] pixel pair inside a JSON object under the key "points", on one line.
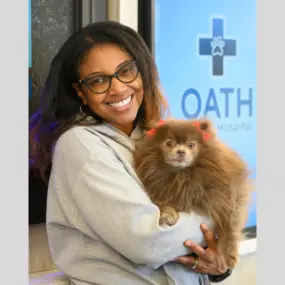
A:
{"points": [[126, 129]]}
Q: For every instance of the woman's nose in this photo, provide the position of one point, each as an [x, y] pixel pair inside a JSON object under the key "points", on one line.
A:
{"points": [[117, 87]]}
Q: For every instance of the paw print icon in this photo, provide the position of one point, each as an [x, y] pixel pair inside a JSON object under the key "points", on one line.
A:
{"points": [[218, 45]]}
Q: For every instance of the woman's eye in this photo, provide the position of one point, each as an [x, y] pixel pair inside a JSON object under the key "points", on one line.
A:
{"points": [[96, 81], [127, 69]]}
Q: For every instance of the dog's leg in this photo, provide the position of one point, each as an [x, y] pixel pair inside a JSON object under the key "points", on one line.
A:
{"points": [[232, 228], [229, 237], [228, 246], [168, 215]]}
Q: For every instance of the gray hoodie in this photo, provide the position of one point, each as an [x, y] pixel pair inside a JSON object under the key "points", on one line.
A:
{"points": [[102, 227]]}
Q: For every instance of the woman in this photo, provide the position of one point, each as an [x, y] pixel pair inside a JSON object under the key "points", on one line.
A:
{"points": [[100, 95]]}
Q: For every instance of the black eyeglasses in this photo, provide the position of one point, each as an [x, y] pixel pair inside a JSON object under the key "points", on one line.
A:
{"points": [[101, 83]]}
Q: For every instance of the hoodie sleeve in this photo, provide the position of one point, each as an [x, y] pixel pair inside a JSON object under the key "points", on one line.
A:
{"points": [[116, 207]]}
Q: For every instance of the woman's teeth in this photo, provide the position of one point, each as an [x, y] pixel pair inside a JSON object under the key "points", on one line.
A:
{"points": [[121, 103]]}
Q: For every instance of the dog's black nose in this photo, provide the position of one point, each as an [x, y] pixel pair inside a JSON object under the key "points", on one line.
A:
{"points": [[181, 152]]}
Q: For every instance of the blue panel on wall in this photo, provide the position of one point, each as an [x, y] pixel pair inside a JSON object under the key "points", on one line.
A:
{"points": [[206, 55]]}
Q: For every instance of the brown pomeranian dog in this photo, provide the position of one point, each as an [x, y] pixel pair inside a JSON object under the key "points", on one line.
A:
{"points": [[184, 168]]}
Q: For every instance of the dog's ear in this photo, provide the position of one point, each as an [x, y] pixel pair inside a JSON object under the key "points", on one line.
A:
{"points": [[207, 126], [154, 127]]}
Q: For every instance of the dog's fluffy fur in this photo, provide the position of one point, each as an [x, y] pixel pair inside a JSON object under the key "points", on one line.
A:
{"points": [[183, 172]]}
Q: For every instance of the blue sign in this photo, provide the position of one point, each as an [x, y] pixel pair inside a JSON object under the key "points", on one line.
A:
{"points": [[206, 56]]}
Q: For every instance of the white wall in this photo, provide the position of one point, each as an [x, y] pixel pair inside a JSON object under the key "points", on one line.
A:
{"points": [[124, 11]]}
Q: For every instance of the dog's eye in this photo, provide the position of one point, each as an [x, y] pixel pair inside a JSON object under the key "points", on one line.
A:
{"points": [[169, 143], [191, 145]]}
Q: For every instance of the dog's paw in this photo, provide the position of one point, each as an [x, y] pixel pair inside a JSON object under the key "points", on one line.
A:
{"points": [[168, 219]]}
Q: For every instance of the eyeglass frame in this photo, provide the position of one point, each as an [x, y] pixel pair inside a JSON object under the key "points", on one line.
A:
{"points": [[110, 77]]}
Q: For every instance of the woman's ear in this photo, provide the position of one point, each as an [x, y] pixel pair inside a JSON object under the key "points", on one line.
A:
{"points": [[79, 93]]}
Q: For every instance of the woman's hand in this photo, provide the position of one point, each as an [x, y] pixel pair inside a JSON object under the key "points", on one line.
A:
{"points": [[209, 261]]}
